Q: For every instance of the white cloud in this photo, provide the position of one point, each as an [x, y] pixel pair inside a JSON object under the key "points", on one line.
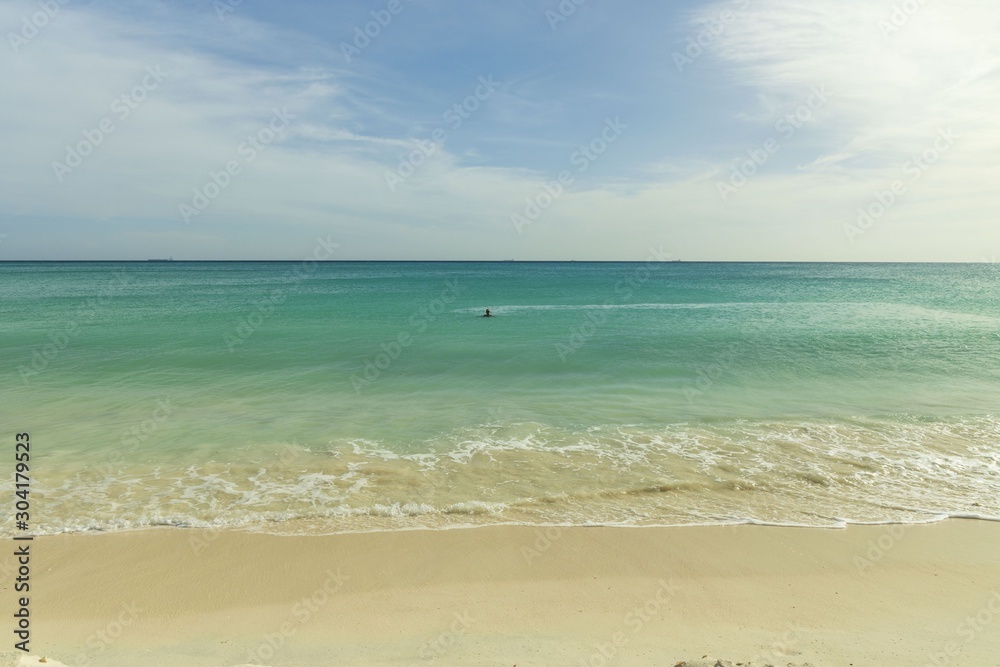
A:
{"points": [[325, 172], [894, 79]]}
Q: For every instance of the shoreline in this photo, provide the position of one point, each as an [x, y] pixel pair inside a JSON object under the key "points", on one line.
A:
{"points": [[257, 527], [888, 594]]}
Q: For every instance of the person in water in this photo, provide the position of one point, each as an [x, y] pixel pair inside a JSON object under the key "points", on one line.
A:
{"points": [[487, 313]]}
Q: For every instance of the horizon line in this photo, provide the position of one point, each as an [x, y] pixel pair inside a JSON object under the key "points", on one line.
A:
{"points": [[484, 261]]}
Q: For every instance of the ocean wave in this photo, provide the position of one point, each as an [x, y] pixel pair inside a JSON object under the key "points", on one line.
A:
{"points": [[809, 472]]}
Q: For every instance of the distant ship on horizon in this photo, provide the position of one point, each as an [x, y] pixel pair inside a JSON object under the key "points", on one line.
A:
{"points": [[169, 259]]}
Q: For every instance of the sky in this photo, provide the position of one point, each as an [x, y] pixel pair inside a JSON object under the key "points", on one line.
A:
{"points": [[743, 130]]}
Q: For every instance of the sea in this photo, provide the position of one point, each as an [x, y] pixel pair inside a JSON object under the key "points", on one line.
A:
{"points": [[317, 398]]}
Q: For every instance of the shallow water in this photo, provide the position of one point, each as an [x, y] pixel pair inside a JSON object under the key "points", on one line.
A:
{"points": [[365, 396]]}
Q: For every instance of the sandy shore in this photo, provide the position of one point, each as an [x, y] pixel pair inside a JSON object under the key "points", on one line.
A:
{"points": [[867, 595]]}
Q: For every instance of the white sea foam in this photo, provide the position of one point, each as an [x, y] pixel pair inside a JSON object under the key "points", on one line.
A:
{"points": [[804, 472]]}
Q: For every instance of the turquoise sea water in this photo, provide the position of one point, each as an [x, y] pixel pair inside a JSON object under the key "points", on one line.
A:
{"points": [[359, 396]]}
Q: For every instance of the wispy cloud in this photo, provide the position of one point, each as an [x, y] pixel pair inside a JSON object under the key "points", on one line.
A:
{"points": [[890, 93], [895, 78]]}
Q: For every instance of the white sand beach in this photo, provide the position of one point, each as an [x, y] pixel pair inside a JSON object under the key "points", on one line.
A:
{"points": [[866, 595]]}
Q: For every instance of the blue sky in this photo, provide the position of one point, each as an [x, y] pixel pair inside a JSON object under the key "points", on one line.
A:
{"points": [[840, 130]]}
